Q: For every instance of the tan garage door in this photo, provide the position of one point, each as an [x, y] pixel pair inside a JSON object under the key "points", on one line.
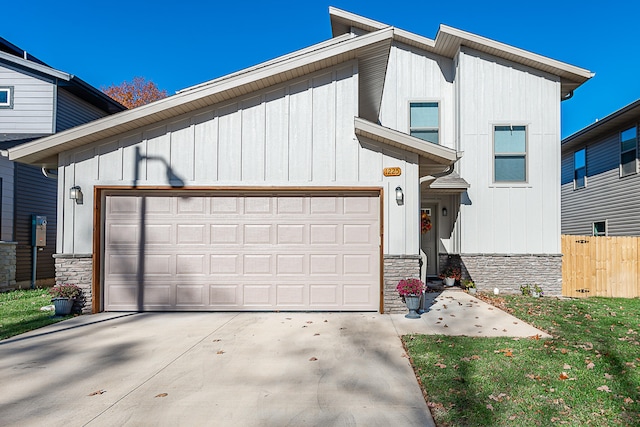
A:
{"points": [[197, 251]]}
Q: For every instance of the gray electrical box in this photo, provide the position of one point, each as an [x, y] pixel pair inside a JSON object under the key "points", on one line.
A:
{"points": [[38, 230]]}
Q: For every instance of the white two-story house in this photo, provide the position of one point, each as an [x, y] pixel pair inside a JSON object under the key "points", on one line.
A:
{"points": [[300, 183]]}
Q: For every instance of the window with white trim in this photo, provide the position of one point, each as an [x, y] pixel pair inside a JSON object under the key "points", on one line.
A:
{"points": [[6, 96], [580, 169], [600, 228], [424, 121], [510, 153], [628, 150]]}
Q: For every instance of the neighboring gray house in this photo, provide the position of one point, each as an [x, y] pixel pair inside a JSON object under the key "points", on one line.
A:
{"points": [[600, 179], [299, 183], [35, 101]]}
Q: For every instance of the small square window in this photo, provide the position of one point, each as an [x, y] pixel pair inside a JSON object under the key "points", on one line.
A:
{"points": [[6, 96], [600, 228]]}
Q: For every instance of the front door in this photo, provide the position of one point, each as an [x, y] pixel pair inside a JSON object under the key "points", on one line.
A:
{"points": [[429, 237]]}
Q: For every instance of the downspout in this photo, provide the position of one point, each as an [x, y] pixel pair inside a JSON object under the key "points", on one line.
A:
{"points": [[567, 96], [50, 173]]}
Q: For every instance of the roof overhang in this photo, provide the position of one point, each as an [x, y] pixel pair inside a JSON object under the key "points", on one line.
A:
{"points": [[628, 115], [335, 51], [449, 40], [434, 158]]}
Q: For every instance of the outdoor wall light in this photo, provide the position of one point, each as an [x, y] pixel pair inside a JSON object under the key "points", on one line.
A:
{"points": [[75, 193], [444, 212], [399, 196]]}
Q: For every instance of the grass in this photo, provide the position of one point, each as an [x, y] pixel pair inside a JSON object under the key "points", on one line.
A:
{"points": [[588, 374], [20, 312]]}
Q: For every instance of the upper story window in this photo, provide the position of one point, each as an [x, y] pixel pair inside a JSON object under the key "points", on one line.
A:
{"points": [[6, 96], [510, 153], [424, 121], [600, 228], [580, 169], [628, 148]]}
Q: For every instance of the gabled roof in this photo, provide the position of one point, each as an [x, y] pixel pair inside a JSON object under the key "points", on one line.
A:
{"points": [[15, 57], [627, 116], [449, 40]]}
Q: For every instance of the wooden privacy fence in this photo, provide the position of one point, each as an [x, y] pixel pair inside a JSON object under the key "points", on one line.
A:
{"points": [[600, 266]]}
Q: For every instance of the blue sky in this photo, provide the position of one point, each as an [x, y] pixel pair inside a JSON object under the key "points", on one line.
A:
{"points": [[181, 43]]}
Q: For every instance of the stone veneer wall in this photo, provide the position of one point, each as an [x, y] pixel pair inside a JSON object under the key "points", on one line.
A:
{"points": [[509, 272], [78, 270], [396, 268], [7, 265]]}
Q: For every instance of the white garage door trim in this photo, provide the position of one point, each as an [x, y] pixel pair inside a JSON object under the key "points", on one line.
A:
{"points": [[230, 250]]}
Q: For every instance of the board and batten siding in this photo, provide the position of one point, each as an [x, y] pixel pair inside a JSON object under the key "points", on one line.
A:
{"points": [[296, 134], [501, 218], [416, 75], [72, 111], [33, 99], [6, 199], [606, 196]]}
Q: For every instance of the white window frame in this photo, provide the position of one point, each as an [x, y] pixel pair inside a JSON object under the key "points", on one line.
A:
{"points": [[606, 227], [9, 92], [417, 128], [575, 170], [494, 155], [635, 149]]}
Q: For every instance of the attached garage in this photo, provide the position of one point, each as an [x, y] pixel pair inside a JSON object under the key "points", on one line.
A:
{"points": [[256, 250]]}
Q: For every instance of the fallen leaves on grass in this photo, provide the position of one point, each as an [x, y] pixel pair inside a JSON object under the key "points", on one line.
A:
{"points": [[604, 388], [440, 365]]}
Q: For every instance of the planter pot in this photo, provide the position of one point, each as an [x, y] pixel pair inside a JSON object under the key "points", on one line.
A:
{"points": [[63, 306], [413, 303], [449, 281], [472, 291], [535, 294]]}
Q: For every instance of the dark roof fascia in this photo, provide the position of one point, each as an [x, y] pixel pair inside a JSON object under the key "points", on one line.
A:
{"points": [[92, 95], [626, 116]]}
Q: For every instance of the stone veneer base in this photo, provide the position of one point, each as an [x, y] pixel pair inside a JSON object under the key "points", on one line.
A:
{"points": [[8, 265], [78, 270], [509, 272], [396, 268]]}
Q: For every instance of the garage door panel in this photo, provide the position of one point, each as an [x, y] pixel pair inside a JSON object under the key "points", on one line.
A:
{"points": [[224, 296], [246, 252]]}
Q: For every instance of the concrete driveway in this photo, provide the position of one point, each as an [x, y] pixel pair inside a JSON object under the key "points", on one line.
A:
{"points": [[222, 369]]}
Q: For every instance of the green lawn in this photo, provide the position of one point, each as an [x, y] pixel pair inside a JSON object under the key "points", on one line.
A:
{"points": [[588, 374], [20, 311]]}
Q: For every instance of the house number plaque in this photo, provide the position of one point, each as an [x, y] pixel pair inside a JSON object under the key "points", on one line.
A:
{"points": [[392, 171]]}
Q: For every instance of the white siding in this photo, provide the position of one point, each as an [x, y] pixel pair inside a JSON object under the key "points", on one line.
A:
{"points": [[414, 75], [297, 134], [502, 218], [32, 110], [6, 199]]}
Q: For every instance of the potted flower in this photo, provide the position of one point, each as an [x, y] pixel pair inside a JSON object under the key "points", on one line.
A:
{"points": [[531, 290], [63, 297], [470, 286], [410, 290], [449, 275]]}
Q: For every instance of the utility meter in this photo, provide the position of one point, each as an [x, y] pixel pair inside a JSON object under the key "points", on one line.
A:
{"points": [[38, 230]]}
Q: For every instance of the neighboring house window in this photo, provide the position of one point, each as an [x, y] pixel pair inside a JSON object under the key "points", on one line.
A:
{"points": [[510, 153], [600, 228], [580, 169], [6, 96], [424, 121], [628, 148]]}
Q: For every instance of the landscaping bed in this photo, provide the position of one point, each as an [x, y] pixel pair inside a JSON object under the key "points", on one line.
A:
{"points": [[20, 311]]}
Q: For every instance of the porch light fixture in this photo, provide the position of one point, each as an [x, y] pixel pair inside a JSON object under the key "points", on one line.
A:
{"points": [[75, 193], [399, 196], [444, 212]]}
